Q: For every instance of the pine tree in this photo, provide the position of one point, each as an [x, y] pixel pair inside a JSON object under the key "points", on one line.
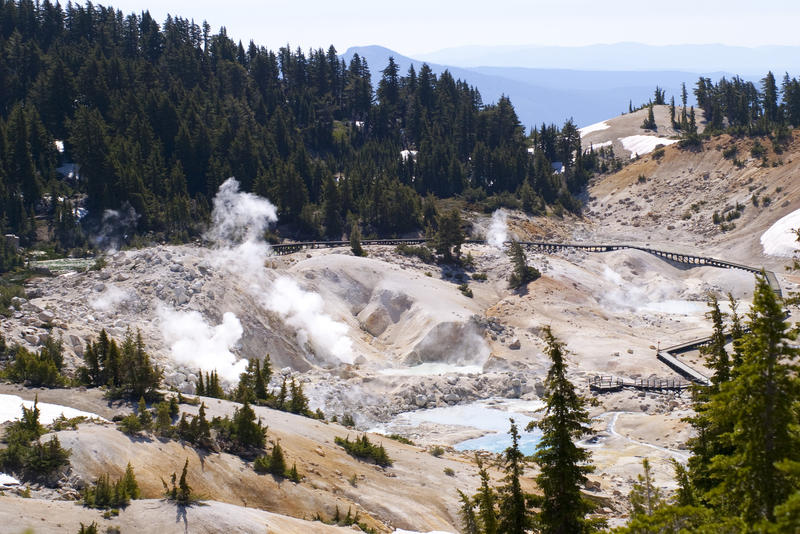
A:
{"points": [[260, 383], [469, 522], [246, 431], [282, 396], [145, 418], [715, 352], [514, 517], [449, 236], [129, 482], [672, 112], [761, 401], [486, 501], [200, 388], [299, 402], [522, 273], [184, 494], [202, 428], [277, 462], [644, 497], [563, 464], [355, 241], [650, 122], [737, 334], [163, 425]]}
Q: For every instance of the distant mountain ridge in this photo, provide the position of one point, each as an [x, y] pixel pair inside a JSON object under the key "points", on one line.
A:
{"points": [[742, 60], [550, 95]]}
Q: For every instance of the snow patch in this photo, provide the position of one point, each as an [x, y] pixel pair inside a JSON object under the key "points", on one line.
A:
{"points": [[8, 480], [11, 410], [780, 239], [638, 145], [405, 154], [596, 127], [595, 146]]}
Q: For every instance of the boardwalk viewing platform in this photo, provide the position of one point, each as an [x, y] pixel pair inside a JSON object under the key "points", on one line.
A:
{"points": [[605, 384]]}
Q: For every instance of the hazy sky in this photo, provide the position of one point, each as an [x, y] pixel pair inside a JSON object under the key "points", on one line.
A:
{"points": [[419, 26]]}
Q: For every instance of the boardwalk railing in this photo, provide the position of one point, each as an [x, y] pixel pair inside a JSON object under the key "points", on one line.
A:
{"points": [[610, 383], [668, 356]]}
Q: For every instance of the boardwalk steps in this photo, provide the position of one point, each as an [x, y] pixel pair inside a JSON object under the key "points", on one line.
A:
{"points": [[667, 356]]}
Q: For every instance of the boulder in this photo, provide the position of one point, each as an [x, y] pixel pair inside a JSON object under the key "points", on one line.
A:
{"points": [[451, 398], [421, 400], [46, 316]]}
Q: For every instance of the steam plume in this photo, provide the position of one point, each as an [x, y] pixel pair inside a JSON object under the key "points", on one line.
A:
{"points": [[498, 229]]}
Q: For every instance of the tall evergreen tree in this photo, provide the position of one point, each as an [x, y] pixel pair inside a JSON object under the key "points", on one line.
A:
{"points": [[514, 516], [762, 401], [486, 499], [469, 521], [715, 352], [645, 497], [522, 273], [563, 465]]}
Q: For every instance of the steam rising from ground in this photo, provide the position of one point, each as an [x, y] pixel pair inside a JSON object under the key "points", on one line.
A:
{"points": [[114, 228], [196, 343], [239, 221], [498, 229], [112, 298], [303, 311]]}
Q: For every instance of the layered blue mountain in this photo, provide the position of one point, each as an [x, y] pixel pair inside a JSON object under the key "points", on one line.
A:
{"points": [[551, 95]]}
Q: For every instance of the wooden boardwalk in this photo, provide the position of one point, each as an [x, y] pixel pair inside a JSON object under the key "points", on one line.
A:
{"points": [[668, 356], [605, 384]]}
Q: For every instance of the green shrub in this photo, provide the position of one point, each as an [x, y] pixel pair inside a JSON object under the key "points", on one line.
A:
{"points": [[449, 471], [730, 152], [401, 439], [363, 449], [181, 492], [105, 494], [275, 464], [481, 277], [758, 150], [42, 368], [130, 424], [420, 251], [8, 292], [437, 451], [25, 454], [465, 290]]}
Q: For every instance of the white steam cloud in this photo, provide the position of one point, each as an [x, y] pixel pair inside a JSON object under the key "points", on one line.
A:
{"points": [[239, 221], [498, 229], [114, 228], [112, 298], [195, 343], [303, 311]]}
